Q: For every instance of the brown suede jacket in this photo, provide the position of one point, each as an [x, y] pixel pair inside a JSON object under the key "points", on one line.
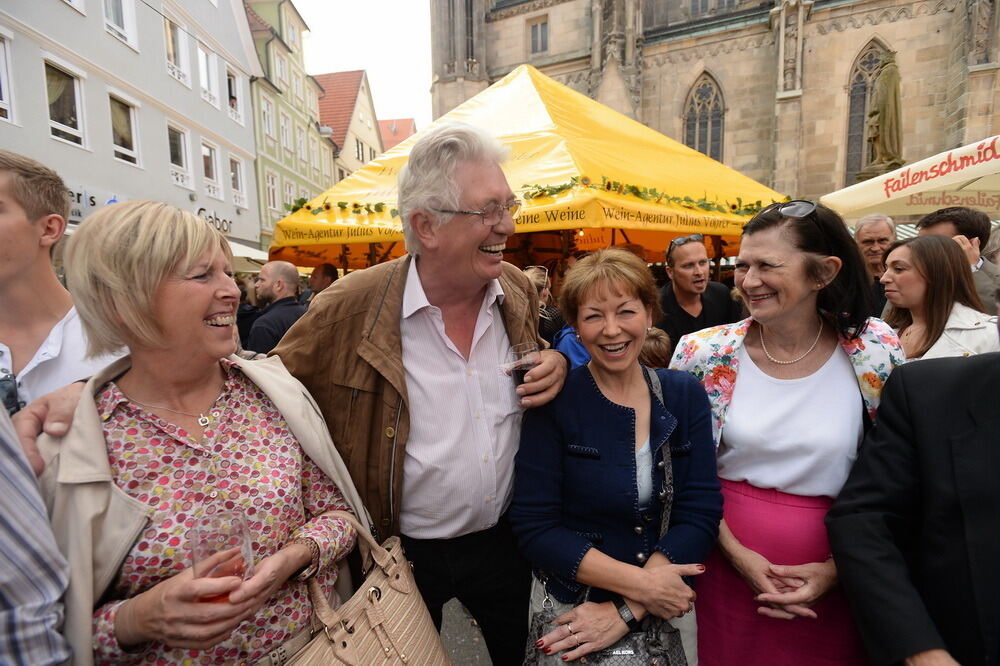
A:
{"points": [[347, 350]]}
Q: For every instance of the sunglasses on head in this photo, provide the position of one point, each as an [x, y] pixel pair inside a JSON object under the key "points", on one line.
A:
{"points": [[684, 240], [8, 393], [798, 208], [541, 268]]}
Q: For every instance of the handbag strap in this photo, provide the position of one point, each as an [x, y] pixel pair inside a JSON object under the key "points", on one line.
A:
{"points": [[370, 550], [668, 468]]}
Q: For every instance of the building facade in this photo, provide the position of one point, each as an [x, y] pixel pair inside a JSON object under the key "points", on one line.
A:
{"points": [[348, 109], [777, 89], [133, 100], [294, 151]]}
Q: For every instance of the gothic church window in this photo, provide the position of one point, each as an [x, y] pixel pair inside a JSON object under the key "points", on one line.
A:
{"points": [[704, 116], [866, 68]]}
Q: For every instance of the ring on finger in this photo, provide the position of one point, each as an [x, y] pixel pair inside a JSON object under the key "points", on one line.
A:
{"points": [[578, 641], [569, 625]]}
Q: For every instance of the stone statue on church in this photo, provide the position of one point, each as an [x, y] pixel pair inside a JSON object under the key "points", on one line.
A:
{"points": [[884, 119]]}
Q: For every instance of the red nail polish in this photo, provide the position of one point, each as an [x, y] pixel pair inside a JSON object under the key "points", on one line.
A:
{"points": [[539, 643], [547, 650], [701, 567], [565, 657]]}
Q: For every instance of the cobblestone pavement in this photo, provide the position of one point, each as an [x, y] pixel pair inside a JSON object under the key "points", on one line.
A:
{"points": [[462, 637]]}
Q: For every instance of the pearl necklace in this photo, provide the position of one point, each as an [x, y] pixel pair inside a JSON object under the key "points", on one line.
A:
{"points": [[760, 333]]}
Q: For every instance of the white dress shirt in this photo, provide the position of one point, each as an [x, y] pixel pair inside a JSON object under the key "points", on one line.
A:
{"points": [[465, 422], [60, 360]]}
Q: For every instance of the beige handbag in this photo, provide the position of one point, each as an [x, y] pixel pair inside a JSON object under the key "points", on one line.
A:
{"points": [[384, 622]]}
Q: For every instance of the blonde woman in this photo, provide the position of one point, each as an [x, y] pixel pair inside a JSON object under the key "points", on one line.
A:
{"points": [[177, 430]]}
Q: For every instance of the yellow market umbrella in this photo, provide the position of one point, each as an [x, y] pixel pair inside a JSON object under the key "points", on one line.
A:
{"points": [[577, 164]]}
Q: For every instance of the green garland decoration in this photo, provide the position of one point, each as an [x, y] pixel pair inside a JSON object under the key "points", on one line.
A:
{"points": [[652, 194], [740, 207]]}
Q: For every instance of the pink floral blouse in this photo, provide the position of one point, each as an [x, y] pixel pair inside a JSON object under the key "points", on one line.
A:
{"points": [[710, 355], [247, 460]]}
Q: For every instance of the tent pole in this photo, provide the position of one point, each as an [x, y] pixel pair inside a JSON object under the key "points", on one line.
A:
{"points": [[719, 254]]}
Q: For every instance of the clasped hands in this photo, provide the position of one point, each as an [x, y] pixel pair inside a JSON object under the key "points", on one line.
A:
{"points": [[785, 591]]}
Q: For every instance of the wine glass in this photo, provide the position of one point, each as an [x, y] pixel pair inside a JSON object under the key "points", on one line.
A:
{"points": [[524, 357], [221, 546]]}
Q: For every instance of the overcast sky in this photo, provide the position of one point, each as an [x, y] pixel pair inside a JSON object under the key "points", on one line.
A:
{"points": [[391, 39]]}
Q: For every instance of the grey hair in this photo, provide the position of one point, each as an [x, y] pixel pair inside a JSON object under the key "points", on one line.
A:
{"points": [[427, 181], [875, 218]]}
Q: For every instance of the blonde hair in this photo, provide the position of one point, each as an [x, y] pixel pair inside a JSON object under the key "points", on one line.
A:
{"points": [[656, 349], [608, 268], [117, 260], [38, 189]]}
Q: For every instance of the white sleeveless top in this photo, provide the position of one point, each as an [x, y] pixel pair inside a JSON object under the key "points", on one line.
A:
{"points": [[799, 436]]}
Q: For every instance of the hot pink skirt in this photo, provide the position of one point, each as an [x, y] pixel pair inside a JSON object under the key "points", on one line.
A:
{"points": [[785, 529]]}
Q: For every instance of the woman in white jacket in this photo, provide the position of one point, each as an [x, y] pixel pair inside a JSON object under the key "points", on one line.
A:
{"points": [[935, 308]]}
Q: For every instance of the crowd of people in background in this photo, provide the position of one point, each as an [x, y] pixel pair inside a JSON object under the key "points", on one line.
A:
{"points": [[796, 469]]}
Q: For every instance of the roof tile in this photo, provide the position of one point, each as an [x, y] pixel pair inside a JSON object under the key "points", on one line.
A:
{"points": [[336, 106], [395, 130]]}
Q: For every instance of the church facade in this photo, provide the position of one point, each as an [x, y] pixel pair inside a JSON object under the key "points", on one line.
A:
{"points": [[780, 90]]}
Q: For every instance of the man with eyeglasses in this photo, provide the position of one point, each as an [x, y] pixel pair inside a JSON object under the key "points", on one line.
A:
{"points": [[874, 234], [42, 343], [690, 301], [404, 360]]}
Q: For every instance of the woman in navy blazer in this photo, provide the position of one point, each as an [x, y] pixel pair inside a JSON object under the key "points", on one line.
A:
{"points": [[594, 467]]}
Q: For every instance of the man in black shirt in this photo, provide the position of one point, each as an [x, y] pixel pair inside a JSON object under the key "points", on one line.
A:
{"points": [[690, 301], [277, 285]]}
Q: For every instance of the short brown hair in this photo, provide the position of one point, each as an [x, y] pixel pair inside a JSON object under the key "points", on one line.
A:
{"points": [[656, 349], [38, 189], [968, 222], [608, 267]]}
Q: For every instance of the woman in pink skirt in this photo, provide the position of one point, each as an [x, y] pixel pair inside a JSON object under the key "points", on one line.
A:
{"points": [[793, 389]]}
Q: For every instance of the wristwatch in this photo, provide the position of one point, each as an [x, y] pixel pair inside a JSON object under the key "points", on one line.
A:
{"points": [[625, 613], [310, 570]]}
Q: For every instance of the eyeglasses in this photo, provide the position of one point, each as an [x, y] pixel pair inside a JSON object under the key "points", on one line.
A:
{"points": [[796, 208], [541, 268], [683, 240], [800, 209], [491, 214], [8, 394]]}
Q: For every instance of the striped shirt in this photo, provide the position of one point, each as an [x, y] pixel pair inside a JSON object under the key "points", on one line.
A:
{"points": [[33, 573], [465, 421]]}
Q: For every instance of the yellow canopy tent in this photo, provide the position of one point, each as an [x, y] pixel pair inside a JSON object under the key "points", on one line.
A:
{"points": [[577, 164]]}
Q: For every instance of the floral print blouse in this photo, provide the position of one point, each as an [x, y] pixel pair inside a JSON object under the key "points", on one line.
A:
{"points": [[247, 460], [710, 355]]}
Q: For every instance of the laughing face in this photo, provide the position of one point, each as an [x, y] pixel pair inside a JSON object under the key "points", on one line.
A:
{"points": [[470, 250], [196, 309], [612, 324], [772, 278]]}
